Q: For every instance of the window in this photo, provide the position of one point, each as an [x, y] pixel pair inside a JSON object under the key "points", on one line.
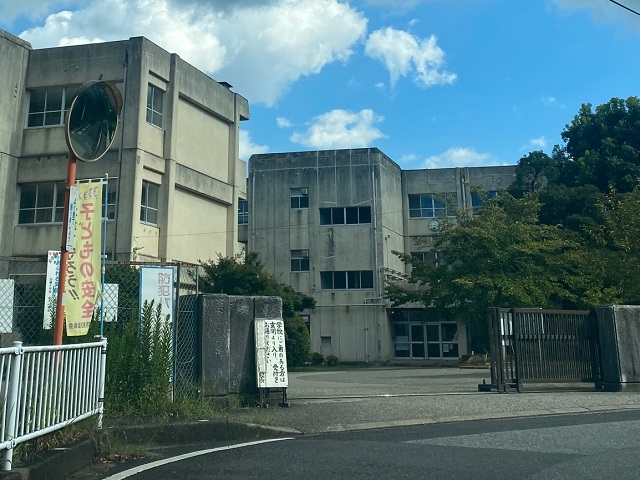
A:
{"points": [[109, 195], [300, 197], [349, 280], [47, 106], [299, 260], [345, 215], [430, 258], [149, 203], [477, 198], [243, 212], [154, 105], [427, 206], [41, 202]]}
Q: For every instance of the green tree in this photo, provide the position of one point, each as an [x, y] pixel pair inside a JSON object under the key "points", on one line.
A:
{"points": [[619, 234], [534, 171], [503, 256], [248, 276], [602, 146]]}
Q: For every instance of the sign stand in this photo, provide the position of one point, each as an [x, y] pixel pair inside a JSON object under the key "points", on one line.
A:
{"points": [[271, 359]]}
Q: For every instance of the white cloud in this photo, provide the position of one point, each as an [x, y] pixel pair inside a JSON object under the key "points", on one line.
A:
{"points": [[539, 143], [260, 47], [341, 129], [403, 55], [461, 157], [407, 159], [248, 148], [283, 122]]}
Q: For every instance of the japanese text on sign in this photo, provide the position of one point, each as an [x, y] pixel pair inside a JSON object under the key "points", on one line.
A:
{"points": [[271, 355]]}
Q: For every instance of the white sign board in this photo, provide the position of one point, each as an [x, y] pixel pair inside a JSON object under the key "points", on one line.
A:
{"points": [[51, 289], [271, 354], [110, 302], [156, 285], [6, 305], [73, 214]]}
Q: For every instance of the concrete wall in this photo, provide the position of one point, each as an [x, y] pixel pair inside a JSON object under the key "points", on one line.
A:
{"points": [[228, 359], [15, 55], [619, 331]]}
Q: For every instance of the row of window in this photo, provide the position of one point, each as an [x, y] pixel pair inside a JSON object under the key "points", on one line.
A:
{"points": [[48, 106], [44, 202]]}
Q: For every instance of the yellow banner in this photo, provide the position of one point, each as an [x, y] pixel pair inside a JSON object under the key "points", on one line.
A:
{"points": [[82, 288]]}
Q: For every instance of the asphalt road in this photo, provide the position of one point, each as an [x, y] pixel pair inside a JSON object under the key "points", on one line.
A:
{"points": [[578, 446]]}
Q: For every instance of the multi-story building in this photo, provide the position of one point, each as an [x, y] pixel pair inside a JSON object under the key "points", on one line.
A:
{"points": [[327, 222], [175, 177]]}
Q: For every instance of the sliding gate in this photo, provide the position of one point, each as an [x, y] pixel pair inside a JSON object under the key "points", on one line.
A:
{"points": [[530, 345]]}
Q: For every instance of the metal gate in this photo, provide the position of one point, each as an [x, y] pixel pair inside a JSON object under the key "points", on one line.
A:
{"points": [[530, 345]]}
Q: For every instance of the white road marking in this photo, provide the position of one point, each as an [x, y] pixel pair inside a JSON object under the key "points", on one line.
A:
{"points": [[165, 461]]}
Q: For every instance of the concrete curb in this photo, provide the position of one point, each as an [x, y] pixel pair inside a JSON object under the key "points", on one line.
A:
{"points": [[60, 464]]}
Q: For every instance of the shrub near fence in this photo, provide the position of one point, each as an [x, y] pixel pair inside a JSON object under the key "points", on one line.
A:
{"points": [[22, 305]]}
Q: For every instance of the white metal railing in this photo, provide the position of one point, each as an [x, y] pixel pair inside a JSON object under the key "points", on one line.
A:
{"points": [[47, 388]]}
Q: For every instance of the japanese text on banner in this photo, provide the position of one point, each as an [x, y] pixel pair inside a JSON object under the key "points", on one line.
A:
{"points": [[82, 287]]}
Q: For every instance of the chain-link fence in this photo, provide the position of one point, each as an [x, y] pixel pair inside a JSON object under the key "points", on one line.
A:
{"points": [[27, 308]]}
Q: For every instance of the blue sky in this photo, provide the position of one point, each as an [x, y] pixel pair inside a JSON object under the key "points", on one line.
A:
{"points": [[432, 83]]}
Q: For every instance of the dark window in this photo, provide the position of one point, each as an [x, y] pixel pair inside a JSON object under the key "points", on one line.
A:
{"points": [[352, 280], [47, 106], [149, 203], [243, 212], [427, 206], [41, 202], [299, 260], [477, 199], [345, 215], [154, 105], [300, 197]]}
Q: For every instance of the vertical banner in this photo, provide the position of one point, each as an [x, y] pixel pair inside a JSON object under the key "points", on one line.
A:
{"points": [[6, 305], [271, 354], [82, 289], [51, 289]]}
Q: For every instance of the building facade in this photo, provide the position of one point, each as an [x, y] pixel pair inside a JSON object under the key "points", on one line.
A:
{"points": [[327, 222], [175, 177]]}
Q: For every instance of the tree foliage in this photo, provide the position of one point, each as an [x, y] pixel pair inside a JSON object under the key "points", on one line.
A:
{"points": [[248, 276]]}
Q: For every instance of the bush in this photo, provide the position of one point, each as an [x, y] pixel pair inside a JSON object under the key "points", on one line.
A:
{"points": [[139, 364], [297, 341], [332, 360], [317, 358]]}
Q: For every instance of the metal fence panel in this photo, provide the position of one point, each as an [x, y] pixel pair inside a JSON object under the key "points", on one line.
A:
{"points": [[535, 346]]}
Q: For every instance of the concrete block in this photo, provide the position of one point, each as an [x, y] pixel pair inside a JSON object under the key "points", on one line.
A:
{"points": [[619, 330], [268, 307], [216, 344], [242, 352]]}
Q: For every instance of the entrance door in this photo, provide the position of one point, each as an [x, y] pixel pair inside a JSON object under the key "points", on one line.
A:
{"points": [[417, 341]]}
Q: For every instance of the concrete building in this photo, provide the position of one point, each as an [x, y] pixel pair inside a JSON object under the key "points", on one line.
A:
{"points": [[175, 177], [327, 222]]}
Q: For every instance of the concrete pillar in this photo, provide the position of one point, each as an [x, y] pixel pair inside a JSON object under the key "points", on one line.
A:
{"points": [[215, 344], [619, 331]]}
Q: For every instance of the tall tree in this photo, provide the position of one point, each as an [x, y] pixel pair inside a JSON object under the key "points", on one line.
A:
{"points": [[503, 256], [602, 146]]}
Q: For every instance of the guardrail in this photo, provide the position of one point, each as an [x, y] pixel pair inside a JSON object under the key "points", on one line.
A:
{"points": [[47, 388]]}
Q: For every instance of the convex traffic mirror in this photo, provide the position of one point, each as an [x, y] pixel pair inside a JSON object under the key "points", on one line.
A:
{"points": [[92, 120]]}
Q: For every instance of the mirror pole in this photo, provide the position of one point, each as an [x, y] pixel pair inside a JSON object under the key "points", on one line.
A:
{"points": [[64, 253]]}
